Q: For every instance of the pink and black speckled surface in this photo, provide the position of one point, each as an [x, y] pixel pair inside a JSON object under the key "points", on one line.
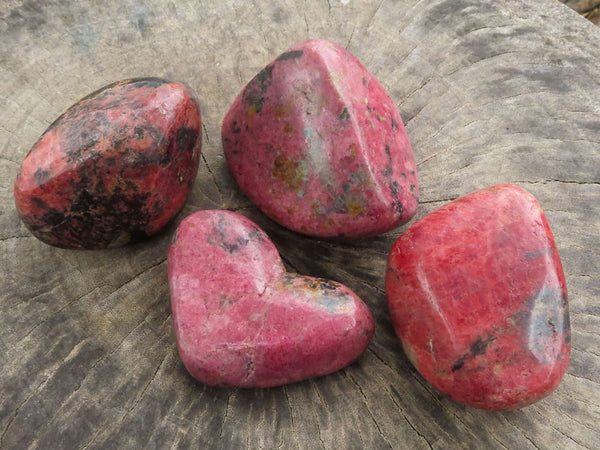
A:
{"points": [[114, 168], [242, 320], [316, 142], [478, 298]]}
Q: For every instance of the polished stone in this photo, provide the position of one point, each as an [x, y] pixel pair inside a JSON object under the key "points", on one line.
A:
{"points": [[478, 298], [241, 320], [114, 168], [316, 142]]}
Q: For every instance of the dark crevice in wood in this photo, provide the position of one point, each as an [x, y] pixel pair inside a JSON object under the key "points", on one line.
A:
{"points": [[9, 238], [206, 134], [405, 416], [138, 275], [366, 403], [287, 399], [226, 413], [214, 179], [350, 38], [544, 420], [554, 180], [496, 439], [289, 263], [144, 390], [54, 313], [521, 432], [444, 200], [18, 408]]}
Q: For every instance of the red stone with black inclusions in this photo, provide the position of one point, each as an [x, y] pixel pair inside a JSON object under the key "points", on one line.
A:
{"points": [[316, 143], [114, 168], [477, 295]]}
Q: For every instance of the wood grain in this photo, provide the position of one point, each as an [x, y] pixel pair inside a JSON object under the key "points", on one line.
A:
{"points": [[590, 9], [491, 92]]}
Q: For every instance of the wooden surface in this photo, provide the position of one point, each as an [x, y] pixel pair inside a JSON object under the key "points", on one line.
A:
{"points": [[590, 9], [491, 92]]}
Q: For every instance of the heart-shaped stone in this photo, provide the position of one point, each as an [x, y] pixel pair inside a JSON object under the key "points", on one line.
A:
{"points": [[114, 168], [478, 298], [242, 320], [316, 142]]}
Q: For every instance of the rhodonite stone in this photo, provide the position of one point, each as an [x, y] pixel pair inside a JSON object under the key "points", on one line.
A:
{"points": [[478, 298], [242, 320], [114, 168], [316, 142]]}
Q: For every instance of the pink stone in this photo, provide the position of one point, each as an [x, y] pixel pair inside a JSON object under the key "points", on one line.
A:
{"points": [[316, 142], [114, 168], [242, 320], [478, 298]]}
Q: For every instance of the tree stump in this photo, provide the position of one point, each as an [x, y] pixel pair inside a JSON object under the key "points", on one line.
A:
{"points": [[590, 9], [491, 92]]}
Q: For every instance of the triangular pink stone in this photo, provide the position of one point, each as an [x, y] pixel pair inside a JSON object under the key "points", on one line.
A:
{"points": [[316, 142]]}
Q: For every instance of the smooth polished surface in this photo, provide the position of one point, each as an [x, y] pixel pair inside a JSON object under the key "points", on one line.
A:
{"points": [[478, 298], [114, 168], [242, 320], [316, 142]]}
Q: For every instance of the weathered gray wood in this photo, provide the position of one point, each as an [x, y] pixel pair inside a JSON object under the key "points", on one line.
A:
{"points": [[491, 92], [590, 9]]}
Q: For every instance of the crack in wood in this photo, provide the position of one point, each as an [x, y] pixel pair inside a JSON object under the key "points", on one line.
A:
{"points": [[360, 280], [350, 247], [488, 27], [383, 361], [498, 441], [413, 92], [138, 275], [306, 21], [4, 158], [316, 389], [17, 237], [46, 319], [403, 414], [214, 179], [18, 408], [226, 415], [319, 433], [77, 388], [143, 392], [443, 200], [289, 403], [366, 403], [289, 263], [521, 432], [350, 38], [486, 59], [591, 428], [554, 180], [206, 134], [467, 428], [372, 18], [460, 168], [545, 420]]}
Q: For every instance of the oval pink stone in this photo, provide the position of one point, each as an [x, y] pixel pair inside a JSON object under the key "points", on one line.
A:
{"points": [[242, 320], [316, 142]]}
